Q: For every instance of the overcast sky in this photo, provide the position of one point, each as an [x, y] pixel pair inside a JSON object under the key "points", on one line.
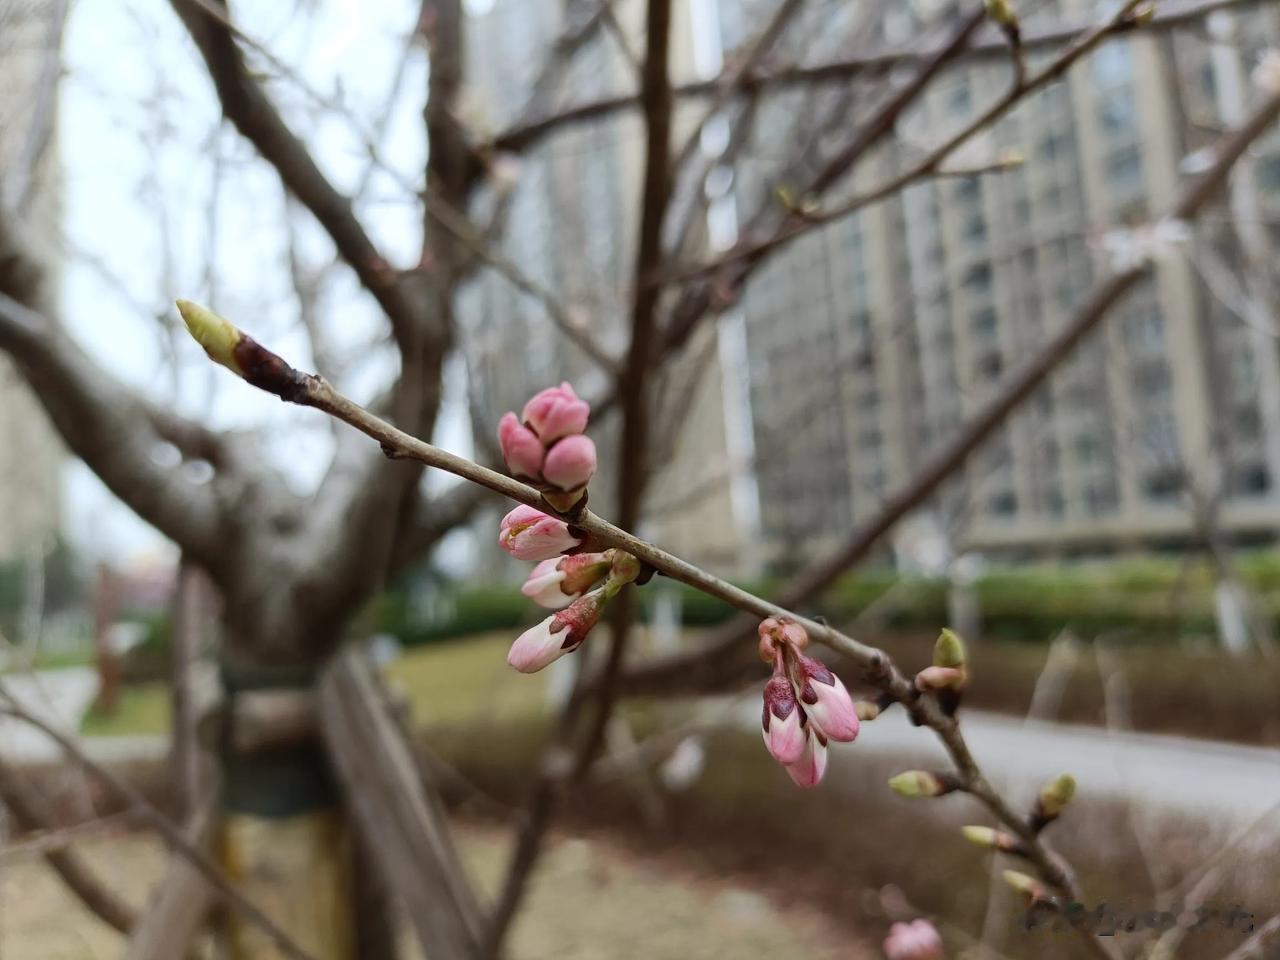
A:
{"points": [[140, 140]]}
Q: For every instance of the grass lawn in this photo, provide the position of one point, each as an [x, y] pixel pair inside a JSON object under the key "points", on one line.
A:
{"points": [[143, 709], [458, 683]]}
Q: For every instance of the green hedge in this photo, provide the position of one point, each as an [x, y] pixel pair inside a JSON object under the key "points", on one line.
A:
{"points": [[1148, 600]]}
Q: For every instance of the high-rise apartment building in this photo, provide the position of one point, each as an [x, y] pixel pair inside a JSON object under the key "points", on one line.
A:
{"points": [[870, 340], [873, 338], [30, 454]]}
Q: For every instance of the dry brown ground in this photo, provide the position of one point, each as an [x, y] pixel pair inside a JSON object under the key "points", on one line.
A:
{"points": [[591, 899]]}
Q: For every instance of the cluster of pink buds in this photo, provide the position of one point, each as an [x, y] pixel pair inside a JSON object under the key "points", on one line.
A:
{"points": [[805, 704], [582, 584], [545, 445], [917, 940]]}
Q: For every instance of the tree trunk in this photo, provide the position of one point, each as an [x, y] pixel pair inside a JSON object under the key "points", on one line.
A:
{"points": [[283, 835]]}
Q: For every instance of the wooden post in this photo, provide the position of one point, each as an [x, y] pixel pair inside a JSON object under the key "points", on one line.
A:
{"points": [[400, 818], [106, 602], [187, 618]]}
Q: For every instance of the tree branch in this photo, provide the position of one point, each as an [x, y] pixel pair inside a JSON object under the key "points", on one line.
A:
{"points": [[111, 429], [1122, 20], [991, 46], [249, 109], [173, 834], [28, 808]]}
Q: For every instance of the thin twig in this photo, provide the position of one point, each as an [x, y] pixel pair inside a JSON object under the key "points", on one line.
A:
{"points": [[994, 46], [928, 165]]}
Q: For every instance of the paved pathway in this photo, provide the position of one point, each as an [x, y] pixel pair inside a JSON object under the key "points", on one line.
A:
{"points": [[1207, 778], [61, 697]]}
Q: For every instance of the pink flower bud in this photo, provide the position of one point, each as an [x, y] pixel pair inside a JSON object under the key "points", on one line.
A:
{"points": [[581, 616], [557, 635], [570, 463], [556, 412], [529, 534], [917, 940], [783, 723], [808, 771], [539, 646], [558, 580], [543, 585], [520, 447], [826, 701]]}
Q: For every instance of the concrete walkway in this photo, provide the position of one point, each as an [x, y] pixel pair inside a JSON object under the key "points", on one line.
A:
{"points": [[61, 698], [1226, 782]]}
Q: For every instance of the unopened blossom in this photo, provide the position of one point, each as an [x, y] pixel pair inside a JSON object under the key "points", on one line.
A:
{"points": [[783, 722], [808, 771], [521, 448], [546, 446], [529, 534], [556, 412], [571, 463], [543, 585], [539, 646], [917, 940], [557, 581], [826, 700], [560, 633]]}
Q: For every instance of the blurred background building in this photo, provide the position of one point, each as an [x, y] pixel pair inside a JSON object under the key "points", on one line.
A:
{"points": [[30, 455], [875, 337], [870, 340]]}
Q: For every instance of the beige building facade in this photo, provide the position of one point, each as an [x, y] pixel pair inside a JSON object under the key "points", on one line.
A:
{"points": [[30, 454], [869, 341], [901, 321]]}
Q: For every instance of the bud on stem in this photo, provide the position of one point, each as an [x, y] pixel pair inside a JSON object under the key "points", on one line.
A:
{"points": [[923, 783], [1035, 891], [1054, 797], [234, 349], [993, 839]]}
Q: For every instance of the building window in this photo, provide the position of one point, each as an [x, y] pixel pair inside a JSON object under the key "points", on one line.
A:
{"points": [[1124, 173]]}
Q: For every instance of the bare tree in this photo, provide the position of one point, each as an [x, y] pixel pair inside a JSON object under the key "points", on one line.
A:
{"points": [[292, 570]]}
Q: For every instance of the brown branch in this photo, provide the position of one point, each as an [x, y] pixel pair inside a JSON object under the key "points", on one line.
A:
{"points": [[989, 47], [110, 428], [399, 813], [174, 835], [28, 807]]}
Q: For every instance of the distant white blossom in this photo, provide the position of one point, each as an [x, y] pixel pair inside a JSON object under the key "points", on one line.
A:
{"points": [[1267, 73], [1130, 248], [685, 765]]}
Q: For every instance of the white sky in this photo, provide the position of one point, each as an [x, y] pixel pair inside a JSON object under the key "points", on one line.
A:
{"points": [[139, 134]]}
